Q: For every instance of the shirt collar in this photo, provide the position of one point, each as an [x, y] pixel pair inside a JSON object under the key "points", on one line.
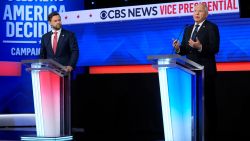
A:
{"points": [[58, 31], [199, 23]]}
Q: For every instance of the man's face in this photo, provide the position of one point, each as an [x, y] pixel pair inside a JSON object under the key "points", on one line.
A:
{"points": [[200, 13], [56, 22]]}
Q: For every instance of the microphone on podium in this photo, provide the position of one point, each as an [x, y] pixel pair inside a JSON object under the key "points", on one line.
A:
{"points": [[176, 40]]}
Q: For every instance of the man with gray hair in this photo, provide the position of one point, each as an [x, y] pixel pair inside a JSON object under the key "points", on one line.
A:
{"points": [[200, 43]]}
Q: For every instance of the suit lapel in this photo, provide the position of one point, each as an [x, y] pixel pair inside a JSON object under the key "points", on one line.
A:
{"points": [[60, 41], [190, 32], [49, 45], [202, 28]]}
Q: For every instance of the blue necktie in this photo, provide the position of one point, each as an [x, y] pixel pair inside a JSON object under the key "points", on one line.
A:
{"points": [[194, 35]]}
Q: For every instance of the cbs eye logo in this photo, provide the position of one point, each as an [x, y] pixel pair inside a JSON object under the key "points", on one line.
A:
{"points": [[103, 15]]}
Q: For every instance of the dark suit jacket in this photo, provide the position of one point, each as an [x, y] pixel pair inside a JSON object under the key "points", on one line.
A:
{"points": [[209, 37], [67, 52]]}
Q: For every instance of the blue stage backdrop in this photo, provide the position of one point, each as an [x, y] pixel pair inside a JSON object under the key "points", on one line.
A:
{"points": [[109, 42], [22, 23], [130, 42], [127, 35]]}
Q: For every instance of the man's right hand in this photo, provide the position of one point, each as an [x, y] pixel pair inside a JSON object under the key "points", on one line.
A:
{"points": [[176, 45]]}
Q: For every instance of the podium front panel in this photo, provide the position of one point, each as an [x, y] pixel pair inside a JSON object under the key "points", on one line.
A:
{"points": [[46, 89], [52, 102], [181, 88], [176, 94]]}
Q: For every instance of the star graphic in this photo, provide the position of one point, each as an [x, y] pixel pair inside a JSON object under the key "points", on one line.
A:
{"points": [[90, 15], [66, 17], [78, 16]]}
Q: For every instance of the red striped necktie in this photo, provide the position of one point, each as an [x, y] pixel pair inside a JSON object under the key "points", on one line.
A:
{"points": [[55, 42]]}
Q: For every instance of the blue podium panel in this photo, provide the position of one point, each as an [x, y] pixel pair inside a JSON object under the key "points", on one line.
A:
{"points": [[180, 93], [181, 87], [176, 95]]}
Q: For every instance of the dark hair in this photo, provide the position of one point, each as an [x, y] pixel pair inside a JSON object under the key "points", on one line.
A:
{"points": [[52, 14]]}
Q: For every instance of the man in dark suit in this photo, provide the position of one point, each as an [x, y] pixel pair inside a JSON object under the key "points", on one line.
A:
{"points": [[200, 43], [59, 44]]}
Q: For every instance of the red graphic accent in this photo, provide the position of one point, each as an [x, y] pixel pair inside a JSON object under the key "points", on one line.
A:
{"points": [[90, 15], [233, 66], [78, 16], [10, 68], [66, 17], [122, 69]]}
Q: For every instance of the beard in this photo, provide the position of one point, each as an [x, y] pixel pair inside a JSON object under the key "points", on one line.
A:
{"points": [[57, 26]]}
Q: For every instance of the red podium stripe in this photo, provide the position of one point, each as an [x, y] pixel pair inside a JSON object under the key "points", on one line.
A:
{"points": [[122, 69], [236, 66], [10, 68]]}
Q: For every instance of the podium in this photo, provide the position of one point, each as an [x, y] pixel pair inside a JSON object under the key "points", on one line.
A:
{"points": [[181, 88], [51, 94]]}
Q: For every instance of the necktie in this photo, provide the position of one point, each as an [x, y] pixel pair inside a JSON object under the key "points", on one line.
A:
{"points": [[195, 33], [55, 42]]}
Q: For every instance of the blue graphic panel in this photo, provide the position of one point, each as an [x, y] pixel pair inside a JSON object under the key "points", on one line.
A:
{"points": [[22, 24], [16, 94], [130, 42]]}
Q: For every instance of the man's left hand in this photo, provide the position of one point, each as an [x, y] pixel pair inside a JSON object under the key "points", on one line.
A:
{"points": [[68, 68], [196, 44]]}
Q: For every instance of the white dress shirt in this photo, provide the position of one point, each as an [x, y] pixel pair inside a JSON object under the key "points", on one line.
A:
{"points": [[58, 35]]}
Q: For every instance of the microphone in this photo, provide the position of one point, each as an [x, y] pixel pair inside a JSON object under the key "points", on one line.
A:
{"points": [[176, 40], [182, 31]]}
